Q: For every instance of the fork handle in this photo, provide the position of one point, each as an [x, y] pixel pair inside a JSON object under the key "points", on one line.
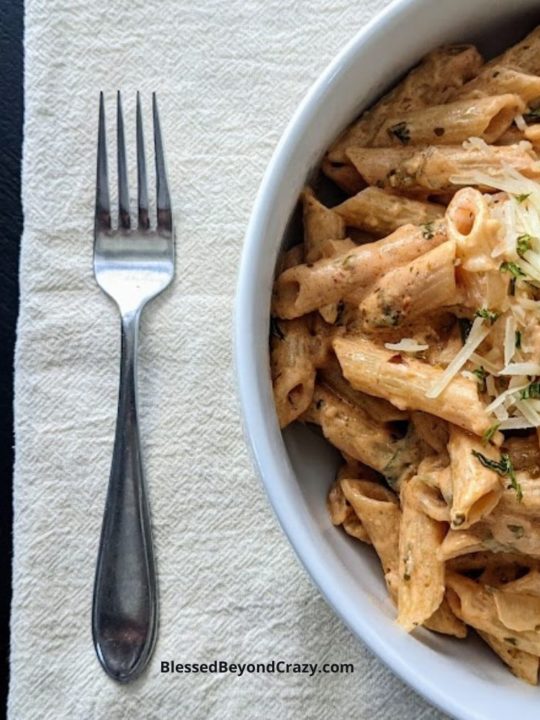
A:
{"points": [[124, 613]]}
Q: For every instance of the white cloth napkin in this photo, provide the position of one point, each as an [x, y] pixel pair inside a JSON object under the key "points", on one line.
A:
{"points": [[229, 76]]}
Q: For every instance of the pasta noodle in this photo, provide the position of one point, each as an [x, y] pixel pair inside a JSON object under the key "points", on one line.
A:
{"points": [[421, 572], [381, 213], [407, 291], [320, 224], [304, 288], [487, 118], [499, 80], [405, 383], [406, 326], [430, 170], [434, 81]]}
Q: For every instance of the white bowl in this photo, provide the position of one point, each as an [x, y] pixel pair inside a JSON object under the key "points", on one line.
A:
{"points": [[462, 678]]}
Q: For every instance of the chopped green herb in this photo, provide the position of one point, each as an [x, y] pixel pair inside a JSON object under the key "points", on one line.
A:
{"points": [[401, 132], [391, 316], [458, 519], [532, 391], [427, 231], [490, 432], [464, 328], [348, 262], [487, 314], [532, 116], [515, 271], [522, 197], [502, 467], [517, 530], [275, 329], [518, 340], [510, 640], [524, 243], [512, 268], [517, 487], [481, 375]]}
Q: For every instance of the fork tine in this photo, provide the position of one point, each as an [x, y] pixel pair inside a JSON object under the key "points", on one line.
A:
{"points": [[123, 190], [164, 217], [141, 171], [103, 209]]}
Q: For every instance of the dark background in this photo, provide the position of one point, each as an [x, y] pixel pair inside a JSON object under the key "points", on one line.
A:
{"points": [[11, 115]]}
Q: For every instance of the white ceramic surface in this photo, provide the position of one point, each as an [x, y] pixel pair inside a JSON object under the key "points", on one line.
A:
{"points": [[462, 678]]}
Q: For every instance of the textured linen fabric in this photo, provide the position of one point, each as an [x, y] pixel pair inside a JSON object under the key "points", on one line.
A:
{"points": [[229, 75]]}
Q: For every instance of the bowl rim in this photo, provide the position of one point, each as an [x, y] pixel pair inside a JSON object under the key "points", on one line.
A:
{"points": [[255, 422]]}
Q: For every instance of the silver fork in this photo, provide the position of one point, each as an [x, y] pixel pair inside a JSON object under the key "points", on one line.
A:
{"points": [[132, 266]]}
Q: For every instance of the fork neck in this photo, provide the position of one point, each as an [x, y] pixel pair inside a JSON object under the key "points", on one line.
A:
{"points": [[130, 337]]}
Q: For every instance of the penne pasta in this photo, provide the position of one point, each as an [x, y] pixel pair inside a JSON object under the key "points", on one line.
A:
{"points": [[430, 170], [512, 136], [293, 371], [532, 134], [512, 527], [476, 490], [499, 80], [337, 504], [378, 509], [432, 430], [331, 376], [304, 288], [487, 560], [517, 610], [290, 258], [344, 174], [476, 235], [381, 213], [408, 291], [320, 224], [358, 435], [468, 222], [405, 383], [421, 573], [438, 76], [522, 664], [444, 621], [525, 453], [429, 499], [474, 604], [487, 118], [528, 584], [407, 326], [524, 55], [342, 513]]}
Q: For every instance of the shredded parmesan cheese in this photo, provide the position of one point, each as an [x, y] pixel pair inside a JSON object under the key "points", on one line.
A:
{"points": [[504, 396], [486, 363], [477, 335], [520, 122], [406, 345], [522, 368], [515, 423], [501, 413], [528, 412], [509, 339]]}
